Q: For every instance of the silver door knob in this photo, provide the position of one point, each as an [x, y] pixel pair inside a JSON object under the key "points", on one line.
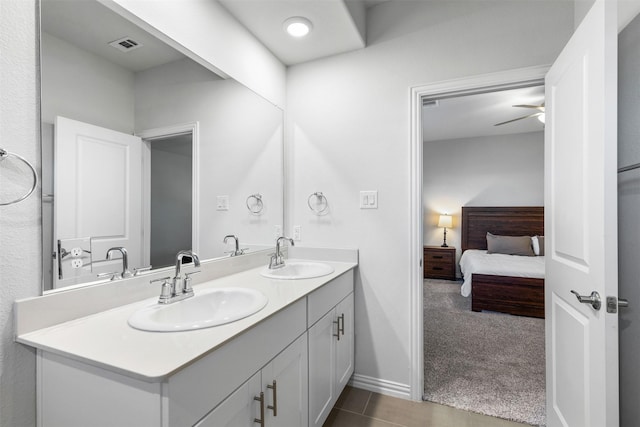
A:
{"points": [[593, 299]]}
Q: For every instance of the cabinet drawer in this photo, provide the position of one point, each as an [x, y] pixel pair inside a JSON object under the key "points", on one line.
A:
{"points": [[324, 299]]}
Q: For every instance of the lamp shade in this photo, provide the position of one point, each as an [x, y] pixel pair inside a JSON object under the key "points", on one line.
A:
{"points": [[445, 221]]}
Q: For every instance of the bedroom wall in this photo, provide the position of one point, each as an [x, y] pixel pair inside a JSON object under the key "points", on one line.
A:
{"points": [[348, 130], [628, 223], [503, 170]]}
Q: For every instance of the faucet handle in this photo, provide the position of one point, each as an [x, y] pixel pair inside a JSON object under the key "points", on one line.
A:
{"points": [[186, 287], [165, 292], [137, 271], [114, 275]]}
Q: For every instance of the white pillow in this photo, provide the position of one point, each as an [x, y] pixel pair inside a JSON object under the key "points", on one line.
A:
{"points": [[536, 245]]}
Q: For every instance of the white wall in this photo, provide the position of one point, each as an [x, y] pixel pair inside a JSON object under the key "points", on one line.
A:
{"points": [[83, 86], [206, 29], [348, 130], [20, 247], [503, 170], [240, 148]]}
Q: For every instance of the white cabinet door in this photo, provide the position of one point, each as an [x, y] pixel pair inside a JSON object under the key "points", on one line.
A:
{"points": [[322, 388], [241, 409], [285, 386], [345, 345]]}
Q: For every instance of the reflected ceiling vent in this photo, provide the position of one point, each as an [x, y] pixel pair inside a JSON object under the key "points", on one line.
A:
{"points": [[125, 44], [430, 103]]}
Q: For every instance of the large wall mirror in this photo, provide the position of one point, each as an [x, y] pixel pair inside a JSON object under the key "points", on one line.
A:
{"points": [[145, 149]]}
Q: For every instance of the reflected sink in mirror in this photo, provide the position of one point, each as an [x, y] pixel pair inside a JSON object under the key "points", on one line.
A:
{"points": [[293, 270], [211, 307]]}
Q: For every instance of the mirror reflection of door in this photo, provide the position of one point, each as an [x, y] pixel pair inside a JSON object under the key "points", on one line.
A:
{"points": [[170, 192], [97, 200]]}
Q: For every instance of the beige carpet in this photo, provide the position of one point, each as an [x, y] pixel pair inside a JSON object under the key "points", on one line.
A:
{"points": [[489, 363]]}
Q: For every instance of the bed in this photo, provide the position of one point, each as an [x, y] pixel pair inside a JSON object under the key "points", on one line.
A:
{"points": [[496, 287]]}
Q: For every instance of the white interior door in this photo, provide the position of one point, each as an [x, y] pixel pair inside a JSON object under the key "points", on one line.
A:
{"points": [[98, 185], [581, 224]]}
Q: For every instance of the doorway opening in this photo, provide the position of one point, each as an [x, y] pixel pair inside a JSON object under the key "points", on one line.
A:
{"points": [[426, 210], [170, 193], [170, 222]]}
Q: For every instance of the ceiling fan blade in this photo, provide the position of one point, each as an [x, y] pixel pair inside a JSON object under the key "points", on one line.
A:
{"points": [[537, 107], [519, 118]]}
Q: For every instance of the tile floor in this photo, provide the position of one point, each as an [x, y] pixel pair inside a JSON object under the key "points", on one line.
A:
{"points": [[360, 408]]}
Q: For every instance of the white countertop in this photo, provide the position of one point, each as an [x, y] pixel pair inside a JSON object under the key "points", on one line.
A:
{"points": [[107, 341]]}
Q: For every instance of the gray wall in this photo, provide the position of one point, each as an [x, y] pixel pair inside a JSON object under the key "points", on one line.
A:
{"points": [[20, 247], [171, 176], [502, 170], [628, 220]]}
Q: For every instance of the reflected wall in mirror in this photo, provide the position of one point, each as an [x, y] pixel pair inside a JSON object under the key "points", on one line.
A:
{"points": [[143, 148]]}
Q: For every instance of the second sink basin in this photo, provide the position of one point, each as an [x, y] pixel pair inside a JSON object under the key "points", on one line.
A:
{"points": [[298, 270], [210, 307]]}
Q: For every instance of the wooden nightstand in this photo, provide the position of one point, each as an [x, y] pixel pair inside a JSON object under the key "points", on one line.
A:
{"points": [[439, 262]]}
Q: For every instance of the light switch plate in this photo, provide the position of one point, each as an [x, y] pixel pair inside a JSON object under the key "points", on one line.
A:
{"points": [[369, 199], [277, 231], [296, 232], [223, 203]]}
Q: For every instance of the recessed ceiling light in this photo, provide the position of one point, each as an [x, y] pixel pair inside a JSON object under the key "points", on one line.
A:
{"points": [[297, 26]]}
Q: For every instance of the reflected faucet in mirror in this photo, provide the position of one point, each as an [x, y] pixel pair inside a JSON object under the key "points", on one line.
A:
{"points": [[277, 260], [237, 251], [125, 264]]}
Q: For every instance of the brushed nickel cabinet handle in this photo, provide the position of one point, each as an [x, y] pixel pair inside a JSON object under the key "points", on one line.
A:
{"points": [[261, 400], [337, 323], [341, 324], [274, 408]]}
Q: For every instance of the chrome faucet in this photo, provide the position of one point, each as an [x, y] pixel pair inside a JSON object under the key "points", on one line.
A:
{"points": [[277, 261], [180, 288], [237, 250], [125, 263]]}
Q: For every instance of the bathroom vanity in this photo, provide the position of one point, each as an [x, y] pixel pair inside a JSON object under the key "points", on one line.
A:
{"points": [[282, 366]]}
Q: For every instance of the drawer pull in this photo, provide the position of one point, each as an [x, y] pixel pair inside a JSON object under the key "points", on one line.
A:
{"points": [[274, 408], [438, 268], [438, 257], [261, 400]]}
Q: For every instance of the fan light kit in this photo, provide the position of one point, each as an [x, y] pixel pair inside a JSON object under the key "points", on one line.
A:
{"points": [[297, 26]]}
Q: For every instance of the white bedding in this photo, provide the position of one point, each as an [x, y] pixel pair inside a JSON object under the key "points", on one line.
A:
{"points": [[480, 262]]}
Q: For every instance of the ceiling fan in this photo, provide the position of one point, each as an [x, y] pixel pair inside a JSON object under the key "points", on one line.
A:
{"points": [[539, 114]]}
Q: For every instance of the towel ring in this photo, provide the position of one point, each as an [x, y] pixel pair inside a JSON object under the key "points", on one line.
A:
{"points": [[321, 203], [257, 205], [5, 154]]}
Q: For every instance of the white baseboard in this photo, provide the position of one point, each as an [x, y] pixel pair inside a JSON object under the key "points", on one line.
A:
{"points": [[378, 385]]}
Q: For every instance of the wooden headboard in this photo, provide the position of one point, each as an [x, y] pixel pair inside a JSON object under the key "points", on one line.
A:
{"points": [[504, 221]]}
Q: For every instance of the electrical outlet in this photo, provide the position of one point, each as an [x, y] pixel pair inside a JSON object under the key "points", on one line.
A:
{"points": [[76, 252], [296, 233], [223, 203], [76, 263], [277, 230]]}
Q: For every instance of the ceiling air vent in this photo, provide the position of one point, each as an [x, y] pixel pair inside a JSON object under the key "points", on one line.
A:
{"points": [[125, 44]]}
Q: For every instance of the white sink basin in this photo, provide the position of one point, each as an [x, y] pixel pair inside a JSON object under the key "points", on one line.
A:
{"points": [[211, 307], [298, 270]]}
